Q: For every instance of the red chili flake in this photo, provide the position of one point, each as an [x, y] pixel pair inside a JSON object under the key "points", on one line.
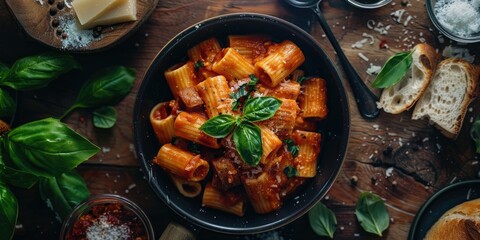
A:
{"points": [[382, 44]]}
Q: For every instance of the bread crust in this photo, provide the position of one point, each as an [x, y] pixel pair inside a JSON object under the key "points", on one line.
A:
{"points": [[462, 222], [392, 99], [472, 74]]}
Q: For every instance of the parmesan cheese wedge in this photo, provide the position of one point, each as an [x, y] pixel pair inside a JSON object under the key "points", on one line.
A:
{"points": [[122, 13], [88, 11]]}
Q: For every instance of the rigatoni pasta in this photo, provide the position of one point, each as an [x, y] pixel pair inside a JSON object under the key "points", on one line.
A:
{"points": [[274, 68], [219, 83]]}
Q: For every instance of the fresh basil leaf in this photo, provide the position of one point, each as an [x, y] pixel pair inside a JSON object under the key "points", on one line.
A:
{"points": [[8, 212], [16, 177], [219, 126], [38, 71], [322, 220], [106, 87], [394, 70], [7, 104], [372, 213], [475, 133], [104, 117], [260, 108], [64, 192], [47, 148], [290, 171], [291, 147], [253, 82], [198, 65], [248, 142], [241, 92], [3, 71]]}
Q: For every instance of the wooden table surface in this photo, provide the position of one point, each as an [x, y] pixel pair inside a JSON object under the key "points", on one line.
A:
{"points": [[420, 163]]}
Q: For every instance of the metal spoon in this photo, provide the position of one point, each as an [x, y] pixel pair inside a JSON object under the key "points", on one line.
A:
{"points": [[366, 100]]}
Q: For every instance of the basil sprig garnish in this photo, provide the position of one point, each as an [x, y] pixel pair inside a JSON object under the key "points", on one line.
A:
{"points": [[219, 126], [106, 87], [8, 211], [63, 192], [248, 141], [394, 70], [243, 91], [291, 147], [290, 171], [37, 71], [322, 220], [371, 213], [246, 135]]}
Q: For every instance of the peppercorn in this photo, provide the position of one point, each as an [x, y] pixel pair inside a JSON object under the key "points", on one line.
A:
{"points": [[59, 32], [51, 2], [354, 180]]}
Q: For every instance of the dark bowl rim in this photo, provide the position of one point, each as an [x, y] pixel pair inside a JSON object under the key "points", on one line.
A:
{"points": [[375, 5], [433, 18], [268, 225], [433, 198]]}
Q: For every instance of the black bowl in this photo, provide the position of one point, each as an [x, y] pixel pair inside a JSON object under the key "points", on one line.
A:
{"points": [[335, 129], [439, 203]]}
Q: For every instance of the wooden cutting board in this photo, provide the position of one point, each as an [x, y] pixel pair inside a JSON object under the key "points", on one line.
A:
{"points": [[47, 21]]}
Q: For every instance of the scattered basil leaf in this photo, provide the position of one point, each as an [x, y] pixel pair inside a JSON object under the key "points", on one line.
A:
{"points": [[3, 71], [47, 148], [301, 79], [104, 117], [38, 71], [475, 133], [248, 142], [290, 171], [322, 220], [394, 70], [16, 177], [198, 65], [253, 82], [194, 147], [241, 92], [219, 126], [260, 108], [372, 213], [64, 192], [7, 104], [291, 147], [106, 87], [8, 212]]}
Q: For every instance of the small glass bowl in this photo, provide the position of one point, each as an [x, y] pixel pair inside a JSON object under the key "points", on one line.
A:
{"points": [[429, 5], [103, 199], [368, 4]]}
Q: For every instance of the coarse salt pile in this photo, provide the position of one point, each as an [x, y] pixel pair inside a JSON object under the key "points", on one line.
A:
{"points": [[74, 36], [103, 230], [460, 17]]}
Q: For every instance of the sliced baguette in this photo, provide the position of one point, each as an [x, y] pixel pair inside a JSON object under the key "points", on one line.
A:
{"points": [[462, 222], [403, 95], [445, 101]]}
